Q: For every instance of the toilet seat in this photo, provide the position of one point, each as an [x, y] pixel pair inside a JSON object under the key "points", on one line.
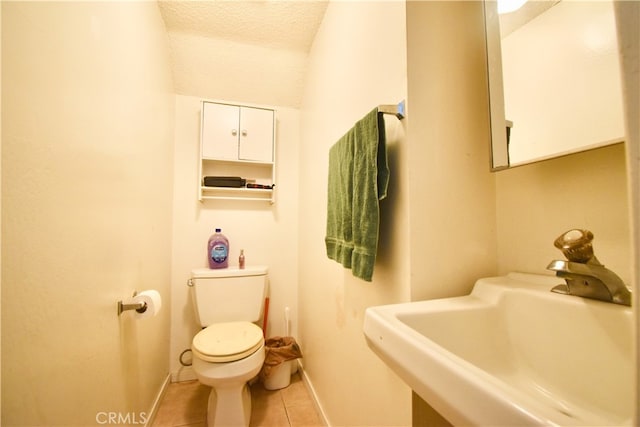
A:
{"points": [[227, 342]]}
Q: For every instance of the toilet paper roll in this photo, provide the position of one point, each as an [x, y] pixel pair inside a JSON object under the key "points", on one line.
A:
{"points": [[153, 301]]}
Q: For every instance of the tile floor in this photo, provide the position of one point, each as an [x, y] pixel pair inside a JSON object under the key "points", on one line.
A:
{"points": [[185, 405]]}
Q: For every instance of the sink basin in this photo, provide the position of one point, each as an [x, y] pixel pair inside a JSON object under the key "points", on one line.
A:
{"points": [[511, 354]]}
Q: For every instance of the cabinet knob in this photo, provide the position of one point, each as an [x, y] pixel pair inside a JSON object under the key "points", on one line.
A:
{"points": [[244, 132], [234, 132]]}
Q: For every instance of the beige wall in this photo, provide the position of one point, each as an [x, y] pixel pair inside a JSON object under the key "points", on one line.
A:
{"points": [[538, 202], [224, 69], [453, 219], [357, 62], [86, 205], [267, 233]]}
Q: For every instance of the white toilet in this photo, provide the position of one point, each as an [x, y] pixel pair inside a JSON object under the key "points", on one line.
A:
{"points": [[230, 350]]}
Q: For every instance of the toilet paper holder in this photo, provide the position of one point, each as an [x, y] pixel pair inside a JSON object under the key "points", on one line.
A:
{"points": [[140, 307]]}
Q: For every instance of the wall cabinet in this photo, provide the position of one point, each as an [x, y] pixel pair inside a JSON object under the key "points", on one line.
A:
{"points": [[237, 141]]}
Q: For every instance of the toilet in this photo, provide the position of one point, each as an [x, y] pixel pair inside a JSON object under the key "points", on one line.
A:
{"points": [[229, 351]]}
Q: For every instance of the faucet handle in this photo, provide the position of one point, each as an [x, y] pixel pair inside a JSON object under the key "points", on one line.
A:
{"points": [[576, 245]]}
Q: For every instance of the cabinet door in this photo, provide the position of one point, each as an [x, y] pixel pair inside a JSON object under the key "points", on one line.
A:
{"points": [[220, 130], [256, 134]]}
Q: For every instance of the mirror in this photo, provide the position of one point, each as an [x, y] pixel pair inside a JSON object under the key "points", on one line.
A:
{"points": [[554, 80]]}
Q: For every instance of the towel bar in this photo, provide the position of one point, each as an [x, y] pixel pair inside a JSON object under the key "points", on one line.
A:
{"points": [[396, 110]]}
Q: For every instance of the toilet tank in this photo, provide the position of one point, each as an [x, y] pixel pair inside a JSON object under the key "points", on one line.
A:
{"points": [[228, 294]]}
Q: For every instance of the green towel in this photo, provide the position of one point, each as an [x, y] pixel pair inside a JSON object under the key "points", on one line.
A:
{"points": [[358, 179]]}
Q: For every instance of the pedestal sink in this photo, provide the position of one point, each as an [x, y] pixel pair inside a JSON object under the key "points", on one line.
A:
{"points": [[512, 354]]}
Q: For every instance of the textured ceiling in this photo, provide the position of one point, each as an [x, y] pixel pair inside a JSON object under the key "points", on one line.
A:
{"points": [[238, 50], [278, 24]]}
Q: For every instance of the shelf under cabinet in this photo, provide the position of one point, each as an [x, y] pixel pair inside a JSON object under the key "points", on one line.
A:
{"points": [[231, 193]]}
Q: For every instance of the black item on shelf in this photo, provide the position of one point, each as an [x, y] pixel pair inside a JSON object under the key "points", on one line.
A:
{"points": [[224, 181]]}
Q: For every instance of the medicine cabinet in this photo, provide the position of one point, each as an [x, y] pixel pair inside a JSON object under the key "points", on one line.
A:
{"points": [[237, 152], [554, 80]]}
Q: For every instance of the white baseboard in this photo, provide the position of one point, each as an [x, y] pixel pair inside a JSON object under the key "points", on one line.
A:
{"points": [[156, 403], [312, 392]]}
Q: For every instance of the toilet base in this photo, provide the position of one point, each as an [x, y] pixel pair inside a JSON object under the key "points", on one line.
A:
{"points": [[230, 397], [229, 407]]}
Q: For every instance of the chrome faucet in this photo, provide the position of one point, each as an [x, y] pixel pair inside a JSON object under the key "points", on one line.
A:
{"points": [[584, 275]]}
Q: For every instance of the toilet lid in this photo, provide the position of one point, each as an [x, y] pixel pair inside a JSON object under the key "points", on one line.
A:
{"points": [[226, 342]]}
